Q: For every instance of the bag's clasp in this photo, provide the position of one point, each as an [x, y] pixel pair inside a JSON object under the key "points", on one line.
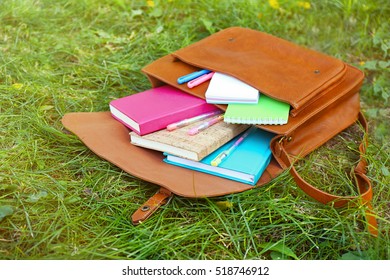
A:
{"points": [[160, 198], [285, 137], [282, 139]]}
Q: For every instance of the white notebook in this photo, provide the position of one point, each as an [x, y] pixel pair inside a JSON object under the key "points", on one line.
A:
{"points": [[225, 89]]}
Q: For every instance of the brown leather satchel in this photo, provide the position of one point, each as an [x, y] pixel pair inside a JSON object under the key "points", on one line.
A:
{"points": [[323, 93]]}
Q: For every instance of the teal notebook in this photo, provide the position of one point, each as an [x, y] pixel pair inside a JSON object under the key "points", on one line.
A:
{"points": [[245, 163], [266, 111]]}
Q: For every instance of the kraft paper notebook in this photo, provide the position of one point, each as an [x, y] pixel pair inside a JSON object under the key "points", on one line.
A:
{"points": [[195, 147], [266, 111], [154, 109], [246, 163]]}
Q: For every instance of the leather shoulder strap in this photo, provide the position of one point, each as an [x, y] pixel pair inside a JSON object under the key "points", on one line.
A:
{"points": [[362, 181]]}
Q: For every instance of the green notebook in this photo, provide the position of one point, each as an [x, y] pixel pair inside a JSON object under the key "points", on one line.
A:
{"points": [[266, 111]]}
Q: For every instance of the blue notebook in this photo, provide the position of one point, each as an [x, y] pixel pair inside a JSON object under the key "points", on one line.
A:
{"points": [[245, 164]]}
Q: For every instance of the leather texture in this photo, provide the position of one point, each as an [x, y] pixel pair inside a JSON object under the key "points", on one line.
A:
{"points": [[160, 198], [322, 91], [276, 67]]}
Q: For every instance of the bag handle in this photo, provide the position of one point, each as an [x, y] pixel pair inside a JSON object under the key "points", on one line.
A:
{"points": [[362, 181]]}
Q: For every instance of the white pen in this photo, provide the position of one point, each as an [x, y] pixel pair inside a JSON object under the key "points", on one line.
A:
{"points": [[203, 126], [189, 121]]}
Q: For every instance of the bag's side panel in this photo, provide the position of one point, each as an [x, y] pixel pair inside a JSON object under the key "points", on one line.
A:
{"points": [[323, 126], [342, 112]]}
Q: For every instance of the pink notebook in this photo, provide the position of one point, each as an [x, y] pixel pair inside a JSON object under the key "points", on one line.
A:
{"points": [[154, 109]]}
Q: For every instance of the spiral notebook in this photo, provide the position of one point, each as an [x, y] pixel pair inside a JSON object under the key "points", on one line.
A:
{"points": [[266, 111]]}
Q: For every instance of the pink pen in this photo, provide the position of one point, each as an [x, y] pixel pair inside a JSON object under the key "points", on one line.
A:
{"points": [[217, 161], [200, 80], [205, 125]]}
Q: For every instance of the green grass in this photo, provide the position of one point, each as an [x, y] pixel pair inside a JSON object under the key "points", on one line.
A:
{"points": [[60, 201]]}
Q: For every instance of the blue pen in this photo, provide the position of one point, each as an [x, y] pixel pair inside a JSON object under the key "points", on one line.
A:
{"points": [[191, 76]]}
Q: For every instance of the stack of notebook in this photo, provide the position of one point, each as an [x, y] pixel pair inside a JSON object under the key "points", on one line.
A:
{"points": [[242, 161], [193, 133], [245, 103]]}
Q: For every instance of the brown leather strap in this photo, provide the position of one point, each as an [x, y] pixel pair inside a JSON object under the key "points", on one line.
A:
{"points": [[362, 181], [160, 198]]}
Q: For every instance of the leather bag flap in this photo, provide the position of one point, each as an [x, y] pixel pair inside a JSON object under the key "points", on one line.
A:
{"points": [[276, 67]]}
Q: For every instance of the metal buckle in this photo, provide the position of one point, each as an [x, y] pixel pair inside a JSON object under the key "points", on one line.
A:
{"points": [[281, 139]]}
